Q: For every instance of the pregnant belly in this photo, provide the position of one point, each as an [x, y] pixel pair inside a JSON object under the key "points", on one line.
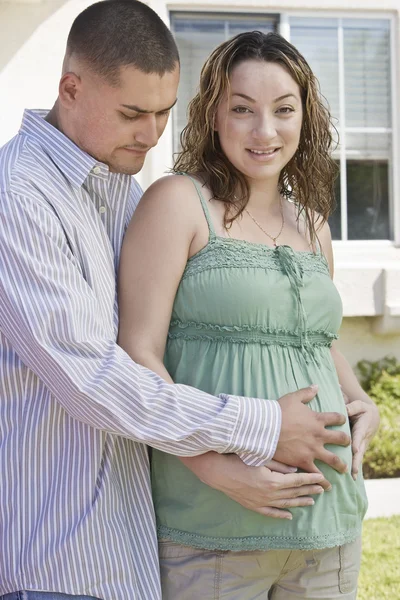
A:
{"points": [[186, 505]]}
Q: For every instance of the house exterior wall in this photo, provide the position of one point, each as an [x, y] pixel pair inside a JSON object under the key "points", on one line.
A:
{"points": [[33, 34]]}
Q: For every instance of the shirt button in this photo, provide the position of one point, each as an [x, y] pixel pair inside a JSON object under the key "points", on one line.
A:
{"points": [[96, 170], [102, 210]]}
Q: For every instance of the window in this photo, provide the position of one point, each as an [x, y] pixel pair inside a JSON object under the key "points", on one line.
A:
{"points": [[197, 34], [351, 58]]}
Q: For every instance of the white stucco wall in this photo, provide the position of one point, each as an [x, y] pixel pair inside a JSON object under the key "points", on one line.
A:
{"points": [[357, 341], [33, 34]]}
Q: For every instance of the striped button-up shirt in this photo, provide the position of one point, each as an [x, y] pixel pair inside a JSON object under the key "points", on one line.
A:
{"points": [[76, 412]]}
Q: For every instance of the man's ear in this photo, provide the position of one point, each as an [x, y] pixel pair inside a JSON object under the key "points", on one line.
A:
{"points": [[68, 89]]}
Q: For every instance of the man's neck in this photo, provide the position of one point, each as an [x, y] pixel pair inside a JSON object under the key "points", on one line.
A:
{"points": [[52, 117]]}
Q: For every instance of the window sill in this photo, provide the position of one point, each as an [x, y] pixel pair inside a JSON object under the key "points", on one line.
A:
{"points": [[367, 275]]}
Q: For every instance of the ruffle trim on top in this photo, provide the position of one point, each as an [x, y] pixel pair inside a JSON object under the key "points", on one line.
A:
{"points": [[230, 253], [247, 334], [235, 544]]}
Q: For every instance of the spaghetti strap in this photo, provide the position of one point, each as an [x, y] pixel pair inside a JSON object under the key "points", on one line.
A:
{"points": [[207, 215]]}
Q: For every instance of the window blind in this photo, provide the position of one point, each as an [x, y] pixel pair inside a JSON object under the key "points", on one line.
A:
{"points": [[367, 73], [366, 67], [317, 40]]}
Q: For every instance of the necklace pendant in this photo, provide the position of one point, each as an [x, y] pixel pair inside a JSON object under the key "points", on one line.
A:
{"points": [[275, 244]]}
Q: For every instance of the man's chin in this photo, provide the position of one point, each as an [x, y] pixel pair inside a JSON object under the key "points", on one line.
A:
{"points": [[126, 169]]}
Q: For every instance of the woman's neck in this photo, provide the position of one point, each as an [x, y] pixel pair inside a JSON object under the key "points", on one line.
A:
{"points": [[264, 197]]}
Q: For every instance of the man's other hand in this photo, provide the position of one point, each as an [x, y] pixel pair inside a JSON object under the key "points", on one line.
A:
{"points": [[304, 433]]}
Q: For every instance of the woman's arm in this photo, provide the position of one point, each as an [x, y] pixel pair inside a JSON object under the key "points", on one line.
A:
{"points": [[154, 255], [362, 411]]}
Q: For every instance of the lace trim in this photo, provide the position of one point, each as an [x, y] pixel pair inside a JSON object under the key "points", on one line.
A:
{"points": [[192, 330], [238, 254], [268, 330], [248, 340], [318, 542]]}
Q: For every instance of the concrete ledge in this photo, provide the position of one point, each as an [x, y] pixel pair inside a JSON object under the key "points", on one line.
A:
{"points": [[367, 275], [383, 497]]}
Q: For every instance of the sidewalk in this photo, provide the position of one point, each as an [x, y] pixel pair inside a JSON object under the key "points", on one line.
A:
{"points": [[383, 497]]}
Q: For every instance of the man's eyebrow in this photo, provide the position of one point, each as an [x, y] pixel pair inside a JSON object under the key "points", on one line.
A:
{"points": [[147, 112], [252, 99]]}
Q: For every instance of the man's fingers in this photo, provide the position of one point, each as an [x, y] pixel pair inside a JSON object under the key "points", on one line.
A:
{"points": [[332, 418], [306, 394], [340, 438], [333, 461]]}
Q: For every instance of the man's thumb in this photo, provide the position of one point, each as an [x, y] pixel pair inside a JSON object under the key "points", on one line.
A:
{"points": [[308, 393]]}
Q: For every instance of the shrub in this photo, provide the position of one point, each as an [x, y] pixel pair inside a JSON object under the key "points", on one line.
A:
{"points": [[381, 380], [370, 372]]}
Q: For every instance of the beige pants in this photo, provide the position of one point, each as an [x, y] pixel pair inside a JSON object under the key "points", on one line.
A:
{"points": [[193, 574]]}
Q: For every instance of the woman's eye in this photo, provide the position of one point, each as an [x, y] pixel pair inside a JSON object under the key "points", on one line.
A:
{"points": [[285, 110], [241, 110]]}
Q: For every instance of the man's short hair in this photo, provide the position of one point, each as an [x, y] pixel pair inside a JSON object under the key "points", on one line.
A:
{"points": [[112, 34]]}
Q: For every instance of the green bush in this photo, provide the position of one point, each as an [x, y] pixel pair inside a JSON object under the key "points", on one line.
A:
{"points": [[370, 372], [381, 380]]}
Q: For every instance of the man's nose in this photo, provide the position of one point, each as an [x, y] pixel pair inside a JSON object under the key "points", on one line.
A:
{"points": [[147, 133]]}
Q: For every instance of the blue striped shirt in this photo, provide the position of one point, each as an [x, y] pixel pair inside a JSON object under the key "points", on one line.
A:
{"points": [[76, 412]]}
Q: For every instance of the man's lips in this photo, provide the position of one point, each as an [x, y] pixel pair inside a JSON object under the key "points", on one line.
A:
{"points": [[136, 151]]}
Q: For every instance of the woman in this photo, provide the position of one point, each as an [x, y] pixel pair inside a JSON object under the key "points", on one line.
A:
{"points": [[243, 302]]}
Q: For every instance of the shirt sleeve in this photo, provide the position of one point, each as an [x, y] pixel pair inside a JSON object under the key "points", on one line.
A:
{"points": [[50, 315]]}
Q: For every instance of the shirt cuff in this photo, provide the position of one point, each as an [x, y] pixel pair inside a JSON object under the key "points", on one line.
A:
{"points": [[257, 429]]}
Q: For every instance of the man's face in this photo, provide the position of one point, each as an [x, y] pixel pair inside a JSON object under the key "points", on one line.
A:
{"points": [[118, 125]]}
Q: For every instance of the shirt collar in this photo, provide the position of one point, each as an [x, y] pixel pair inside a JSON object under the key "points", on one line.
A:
{"points": [[73, 162]]}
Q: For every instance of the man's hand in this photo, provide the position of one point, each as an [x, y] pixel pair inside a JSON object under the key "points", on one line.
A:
{"points": [[304, 435], [364, 418], [257, 488]]}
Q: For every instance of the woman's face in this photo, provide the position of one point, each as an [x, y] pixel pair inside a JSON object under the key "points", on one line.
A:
{"points": [[259, 120]]}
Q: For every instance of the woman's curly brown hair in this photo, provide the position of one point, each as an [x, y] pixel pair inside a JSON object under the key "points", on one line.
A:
{"points": [[308, 178]]}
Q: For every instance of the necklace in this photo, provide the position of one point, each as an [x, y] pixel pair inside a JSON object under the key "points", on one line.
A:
{"points": [[262, 228]]}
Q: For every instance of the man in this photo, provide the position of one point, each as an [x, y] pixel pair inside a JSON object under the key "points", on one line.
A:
{"points": [[76, 411]]}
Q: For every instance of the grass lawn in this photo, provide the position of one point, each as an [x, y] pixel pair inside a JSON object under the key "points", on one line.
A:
{"points": [[380, 568]]}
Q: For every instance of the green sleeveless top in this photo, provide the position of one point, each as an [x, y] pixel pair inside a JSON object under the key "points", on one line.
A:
{"points": [[252, 320]]}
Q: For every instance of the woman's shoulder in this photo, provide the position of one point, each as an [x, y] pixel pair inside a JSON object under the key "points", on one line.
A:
{"points": [[173, 198], [173, 186]]}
